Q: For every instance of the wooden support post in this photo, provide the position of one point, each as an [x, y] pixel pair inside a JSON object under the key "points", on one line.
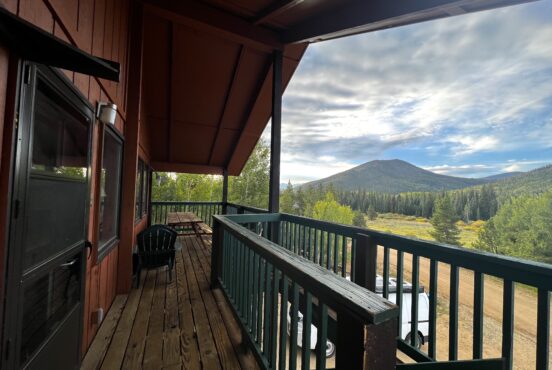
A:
{"points": [[366, 260], [380, 348], [276, 134], [216, 253], [130, 158], [224, 191], [349, 342]]}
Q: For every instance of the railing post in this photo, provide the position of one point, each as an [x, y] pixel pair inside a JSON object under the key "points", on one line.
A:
{"points": [[366, 260], [216, 253], [380, 346], [349, 342], [368, 347]]}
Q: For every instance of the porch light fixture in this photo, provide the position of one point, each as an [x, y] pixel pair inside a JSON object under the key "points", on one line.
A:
{"points": [[106, 112]]}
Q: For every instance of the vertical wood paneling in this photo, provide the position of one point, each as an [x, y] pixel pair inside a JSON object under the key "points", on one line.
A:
{"points": [[68, 12], [4, 60], [123, 54], [98, 31], [11, 5], [93, 300], [101, 28], [86, 24], [104, 271], [108, 29], [36, 12]]}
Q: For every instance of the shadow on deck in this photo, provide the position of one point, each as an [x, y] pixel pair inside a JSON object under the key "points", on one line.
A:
{"points": [[181, 324]]}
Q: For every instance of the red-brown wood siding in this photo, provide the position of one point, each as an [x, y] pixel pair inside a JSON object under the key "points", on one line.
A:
{"points": [[99, 27]]}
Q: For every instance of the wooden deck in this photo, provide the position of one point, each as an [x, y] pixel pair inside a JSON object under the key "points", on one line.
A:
{"points": [[181, 324]]}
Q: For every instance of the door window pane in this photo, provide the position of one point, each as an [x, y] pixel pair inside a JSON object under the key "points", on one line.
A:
{"points": [[60, 138], [57, 189], [110, 186]]}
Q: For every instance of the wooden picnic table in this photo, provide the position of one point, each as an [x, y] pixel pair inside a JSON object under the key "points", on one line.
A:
{"points": [[185, 220]]}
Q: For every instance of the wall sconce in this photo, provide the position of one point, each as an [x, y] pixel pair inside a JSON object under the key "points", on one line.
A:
{"points": [[106, 112]]}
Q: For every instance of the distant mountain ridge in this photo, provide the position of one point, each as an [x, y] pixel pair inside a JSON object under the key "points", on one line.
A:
{"points": [[398, 176]]}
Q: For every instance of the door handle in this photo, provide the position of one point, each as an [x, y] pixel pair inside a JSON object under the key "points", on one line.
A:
{"points": [[88, 245], [69, 264]]}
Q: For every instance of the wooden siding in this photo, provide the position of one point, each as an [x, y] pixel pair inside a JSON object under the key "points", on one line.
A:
{"points": [[101, 28]]}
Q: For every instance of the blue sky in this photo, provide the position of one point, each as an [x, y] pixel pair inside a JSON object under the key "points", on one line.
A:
{"points": [[466, 96]]}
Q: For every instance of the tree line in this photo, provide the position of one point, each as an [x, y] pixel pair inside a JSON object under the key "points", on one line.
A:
{"points": [[478, 203]]}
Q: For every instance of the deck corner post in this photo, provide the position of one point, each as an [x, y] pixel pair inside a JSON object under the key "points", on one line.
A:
{"points": [[216, 254], [350, 342], [380, 346], [366, 259]]}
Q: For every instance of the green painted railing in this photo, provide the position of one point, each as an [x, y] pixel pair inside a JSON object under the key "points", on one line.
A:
{"points": [[267, 286], [358, 253], [353, 252]]}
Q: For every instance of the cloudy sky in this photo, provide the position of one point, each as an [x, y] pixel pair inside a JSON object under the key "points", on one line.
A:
{"points": [[467, 96]]}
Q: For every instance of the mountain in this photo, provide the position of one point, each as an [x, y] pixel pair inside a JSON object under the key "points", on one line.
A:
{"points": [[395, 176], [502, 176]]}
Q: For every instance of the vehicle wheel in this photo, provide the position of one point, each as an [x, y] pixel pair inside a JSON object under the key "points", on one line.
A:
{"points": [[419, 340], [330, 349]]}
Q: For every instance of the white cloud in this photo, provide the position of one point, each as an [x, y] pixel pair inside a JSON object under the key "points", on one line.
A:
{"points": [[462, 86]]}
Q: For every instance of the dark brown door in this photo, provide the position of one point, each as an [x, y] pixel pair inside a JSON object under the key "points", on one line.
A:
{"points": [[43, 317]]}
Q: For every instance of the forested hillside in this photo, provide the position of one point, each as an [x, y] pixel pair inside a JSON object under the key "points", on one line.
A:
{"points": [[532, 182], [474, 203]]}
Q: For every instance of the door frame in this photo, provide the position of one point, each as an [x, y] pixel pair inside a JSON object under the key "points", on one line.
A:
{"points": [[29, 73]]}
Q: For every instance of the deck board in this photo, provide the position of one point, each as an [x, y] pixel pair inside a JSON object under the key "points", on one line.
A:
{"points": [[178, 324]]}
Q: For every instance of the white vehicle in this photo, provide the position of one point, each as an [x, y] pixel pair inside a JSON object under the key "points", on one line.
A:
{"points": [[423, 315], [406, 309], [330, 347]]}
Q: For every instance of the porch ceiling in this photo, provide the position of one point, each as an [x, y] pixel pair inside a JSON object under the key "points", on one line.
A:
{"points": [[207, 75]]}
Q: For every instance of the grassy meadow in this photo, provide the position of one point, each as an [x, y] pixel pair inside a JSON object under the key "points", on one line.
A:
{"points": [[419, 227]]}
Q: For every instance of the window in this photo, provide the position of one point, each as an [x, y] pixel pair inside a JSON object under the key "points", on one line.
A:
{"points": [[145, 191], [139, 186], [142, 190], [110, 189]]}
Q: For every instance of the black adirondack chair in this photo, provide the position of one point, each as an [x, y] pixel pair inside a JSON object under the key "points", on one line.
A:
{"points": [[156, 249]]}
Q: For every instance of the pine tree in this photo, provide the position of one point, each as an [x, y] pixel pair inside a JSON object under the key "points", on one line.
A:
{"points": [[358, 219], [372, 214], [444, 222]]}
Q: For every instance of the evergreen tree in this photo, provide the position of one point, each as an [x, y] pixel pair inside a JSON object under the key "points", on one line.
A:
{"points": [[372, 214], [359, 219], [287, 199], [444, 222]]}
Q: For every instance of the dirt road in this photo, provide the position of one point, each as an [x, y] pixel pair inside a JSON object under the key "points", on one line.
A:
{"points": [[525, 321]]}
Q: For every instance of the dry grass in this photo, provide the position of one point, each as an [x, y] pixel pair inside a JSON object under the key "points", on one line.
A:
{"points": [[419, 227]]}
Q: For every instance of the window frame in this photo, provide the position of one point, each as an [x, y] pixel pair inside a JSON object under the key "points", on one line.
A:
{"points": [[105, 248], [142, 192]]}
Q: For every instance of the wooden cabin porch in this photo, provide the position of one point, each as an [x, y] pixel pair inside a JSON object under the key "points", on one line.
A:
{"points": [[172, 324]]}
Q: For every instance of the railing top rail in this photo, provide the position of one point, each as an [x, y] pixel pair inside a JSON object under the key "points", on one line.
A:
{"points": [[510, 268], [160, 202], [250, 218], [338, 293], [248, 208]]}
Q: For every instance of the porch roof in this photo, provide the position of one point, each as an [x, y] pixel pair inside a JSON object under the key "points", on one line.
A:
{"points": [[208, 66]]}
